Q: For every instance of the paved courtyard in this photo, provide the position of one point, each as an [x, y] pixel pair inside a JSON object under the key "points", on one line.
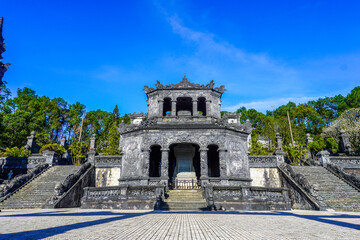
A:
{"points": [[113, 224]]}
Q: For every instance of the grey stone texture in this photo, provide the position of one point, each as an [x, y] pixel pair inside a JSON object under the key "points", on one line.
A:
{"points": [[184, 113]]}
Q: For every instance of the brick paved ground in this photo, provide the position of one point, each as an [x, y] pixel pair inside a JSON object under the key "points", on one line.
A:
{"points": [[107, 224]]}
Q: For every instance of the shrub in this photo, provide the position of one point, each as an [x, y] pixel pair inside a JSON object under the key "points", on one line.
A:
{"points": [[16, 152], [53, 147]]}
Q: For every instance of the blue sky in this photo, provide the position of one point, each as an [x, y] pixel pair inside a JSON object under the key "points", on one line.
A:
{"points": [[102, 53]]}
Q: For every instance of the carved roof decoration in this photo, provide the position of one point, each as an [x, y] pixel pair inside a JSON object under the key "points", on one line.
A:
{"points": [[185, 84]]}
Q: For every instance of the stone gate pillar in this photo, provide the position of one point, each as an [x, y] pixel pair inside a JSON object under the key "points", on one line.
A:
{"points": [[208, 107], [165, 165], [203, 164], [222, 162], [146, 162], [173, 107], [195, 107], [161, 107]]}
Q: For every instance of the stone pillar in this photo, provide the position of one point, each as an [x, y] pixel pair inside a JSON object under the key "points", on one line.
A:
{"points": [[222, 162], [146, 162], [308, 139], [63, 141], [165, 163], [324, 157], [208, 107], [279, 144], [279, 150], [31, 142], [344, 145], [195, 108], [161, 107], [203, 163], [173, 108], [93, 142]]}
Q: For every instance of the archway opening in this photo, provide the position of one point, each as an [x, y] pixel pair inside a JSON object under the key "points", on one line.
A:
{"points": [[155, 161], [178, 162], [167, 107], [213, 161], [202, 106], [184, 106]]}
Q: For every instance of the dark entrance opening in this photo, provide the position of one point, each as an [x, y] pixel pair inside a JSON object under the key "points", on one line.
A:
{"points": [[155, 161], [213, 161], [172, 162], [167, 106], [202, 106], [184, 104]]}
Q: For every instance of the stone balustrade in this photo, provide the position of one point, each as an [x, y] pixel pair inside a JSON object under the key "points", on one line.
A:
{"points": [[263, 161]]}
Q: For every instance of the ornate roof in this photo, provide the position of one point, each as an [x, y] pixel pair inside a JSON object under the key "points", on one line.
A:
{"points": [[185, 84]]}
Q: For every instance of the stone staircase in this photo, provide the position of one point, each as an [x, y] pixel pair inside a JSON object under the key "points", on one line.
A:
{"points": [[339, 195], [36, 192], [184, 200]]}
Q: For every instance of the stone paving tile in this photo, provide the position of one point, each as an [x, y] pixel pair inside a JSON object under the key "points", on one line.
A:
{"points": [[115, 224]]}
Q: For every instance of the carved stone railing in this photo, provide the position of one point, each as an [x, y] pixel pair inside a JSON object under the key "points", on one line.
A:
{"points": [[302, 191], [269, 193], [123, 197], [19, 181], [108, 160], [263, 161], [247, 198], [153, 181], [352, 179], [346, 162], [61, 188], [186, 184]]}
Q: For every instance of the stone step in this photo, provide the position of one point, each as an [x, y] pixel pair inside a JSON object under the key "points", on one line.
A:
{"points": [[37, 192], [336, 193]]}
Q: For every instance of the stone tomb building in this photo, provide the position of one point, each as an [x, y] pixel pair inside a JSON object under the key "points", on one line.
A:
{"points": [[184, 135], [184, 143]]}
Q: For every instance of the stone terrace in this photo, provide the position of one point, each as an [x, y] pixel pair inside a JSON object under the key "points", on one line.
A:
{"points": [[107, 224]]}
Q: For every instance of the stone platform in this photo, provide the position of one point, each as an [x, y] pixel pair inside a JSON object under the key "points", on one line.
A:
{"points": [[113, 224]]}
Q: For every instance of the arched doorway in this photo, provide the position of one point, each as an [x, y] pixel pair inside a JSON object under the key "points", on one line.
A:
{"points": [[184, 157], [155, 161], [184, 106], [213, 161]]}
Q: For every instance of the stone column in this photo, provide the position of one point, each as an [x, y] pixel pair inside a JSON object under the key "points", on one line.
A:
{"points": [[279, 150], [208, 107], [161, 107], [93, 142], [173, 108], [195, 108], [222, 162], [203, 163], [165, 163], [279, 144], [324, 157], [146, 162], [309, 139], [63, 141], [31, 142]]}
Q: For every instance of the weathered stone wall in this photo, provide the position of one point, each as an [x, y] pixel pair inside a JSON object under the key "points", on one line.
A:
{"points": [[122, 197], [214, 104], [135, 144], [107, 176], [265, 177]]}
